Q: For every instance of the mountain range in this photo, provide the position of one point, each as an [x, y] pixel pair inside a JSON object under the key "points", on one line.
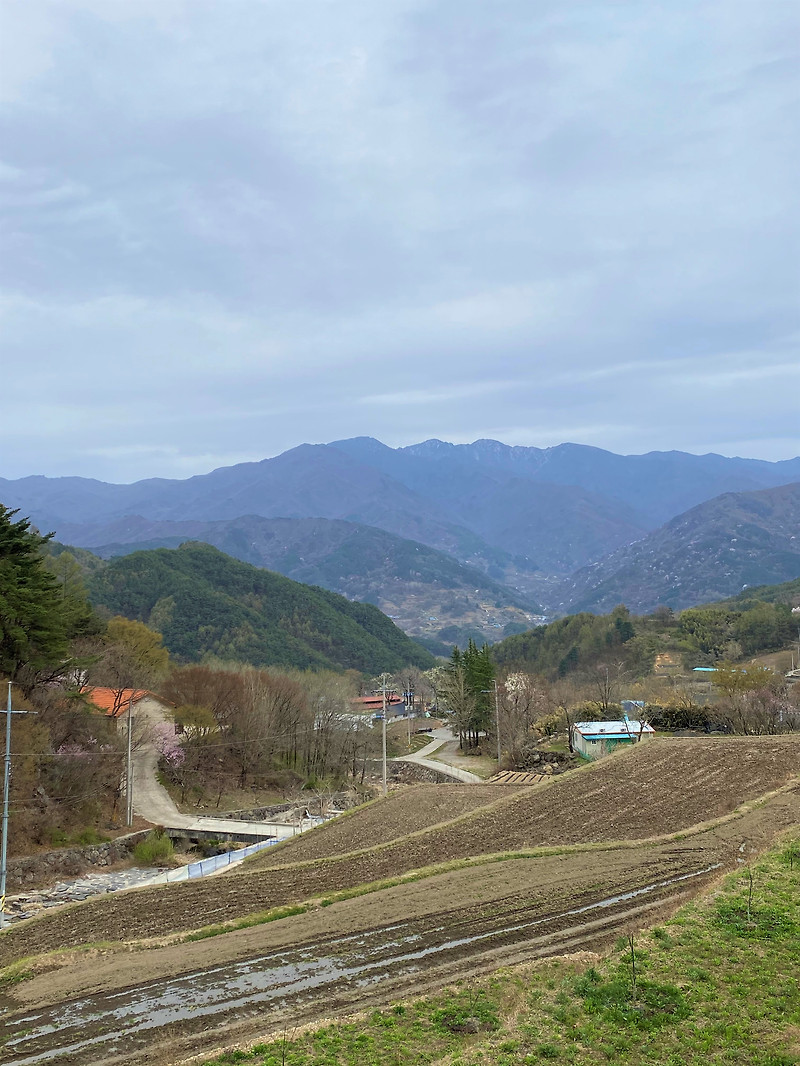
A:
{"points": [[713, 551], [509, 531], [425, 591]]}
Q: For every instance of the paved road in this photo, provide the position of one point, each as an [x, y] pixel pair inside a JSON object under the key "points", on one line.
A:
{"points": [[440, 738], [153, 802]]}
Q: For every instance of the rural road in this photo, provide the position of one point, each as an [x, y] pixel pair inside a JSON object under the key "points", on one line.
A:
{"points": [[153, 802], [441, 738]]}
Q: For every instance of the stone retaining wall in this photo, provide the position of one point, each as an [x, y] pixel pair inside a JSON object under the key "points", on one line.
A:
{"points": [[342, 800], [254, 814], [408, 772], [69, 862]]}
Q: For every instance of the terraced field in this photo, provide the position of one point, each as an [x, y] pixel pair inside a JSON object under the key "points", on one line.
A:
{"points": [[383, 821], [603, 870], [658, 788], [662, 786]]}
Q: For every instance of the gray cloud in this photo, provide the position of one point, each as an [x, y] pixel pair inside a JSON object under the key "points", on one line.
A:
{"points": [[231, 228]]}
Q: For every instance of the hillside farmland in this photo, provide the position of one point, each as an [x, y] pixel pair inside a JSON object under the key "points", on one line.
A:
{"points": [[447, 890]]}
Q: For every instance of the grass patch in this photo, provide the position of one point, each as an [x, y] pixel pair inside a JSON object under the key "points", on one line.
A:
{"points": [[260, 918], [155, 850], [14, 975], [715, 986], [645, 1005]]}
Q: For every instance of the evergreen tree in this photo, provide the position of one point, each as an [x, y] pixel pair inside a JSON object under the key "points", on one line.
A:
{"points": [[33, 632], [469, 691]]}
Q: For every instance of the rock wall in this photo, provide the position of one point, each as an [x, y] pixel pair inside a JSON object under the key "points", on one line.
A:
{"points": [[253, 814], [409, 772], [342, 800], [69, 862]]}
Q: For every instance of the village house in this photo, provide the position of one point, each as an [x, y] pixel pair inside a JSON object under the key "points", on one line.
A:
{"points": [[595, 739], [144, 705], [374, 704]]}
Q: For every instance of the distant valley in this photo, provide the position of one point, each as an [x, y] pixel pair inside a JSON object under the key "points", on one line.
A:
{"points": [[426, 592]]}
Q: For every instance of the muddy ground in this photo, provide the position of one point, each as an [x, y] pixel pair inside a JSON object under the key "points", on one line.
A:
{"points": [[658, 789], [140, 1000], [154, 1003]]}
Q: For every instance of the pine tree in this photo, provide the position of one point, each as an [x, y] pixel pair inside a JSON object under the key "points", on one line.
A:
{"points": [[32, 623], [469, 691]]}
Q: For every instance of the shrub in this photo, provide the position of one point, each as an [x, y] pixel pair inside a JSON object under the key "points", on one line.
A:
{"points": [[652, 1005], [89, 837], [156, 850]]}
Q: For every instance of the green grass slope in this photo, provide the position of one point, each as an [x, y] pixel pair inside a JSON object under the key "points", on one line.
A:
{"points": [[714, 985], [206, 603]]}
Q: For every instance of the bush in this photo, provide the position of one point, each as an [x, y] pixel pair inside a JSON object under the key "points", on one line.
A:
{"points": [[57, 838], [156, 850], [649, 1006], [89, 837]]}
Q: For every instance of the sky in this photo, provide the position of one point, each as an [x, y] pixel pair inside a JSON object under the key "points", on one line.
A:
{"points": [[233, 226]]}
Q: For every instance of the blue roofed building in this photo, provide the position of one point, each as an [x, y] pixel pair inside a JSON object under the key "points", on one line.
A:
{"points": [[593, 740]]}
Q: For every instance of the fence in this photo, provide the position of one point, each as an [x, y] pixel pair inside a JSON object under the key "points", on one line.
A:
{"points": [[213, 863]]}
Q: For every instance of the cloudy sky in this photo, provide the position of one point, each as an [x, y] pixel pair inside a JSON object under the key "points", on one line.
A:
{"points": [[232, 226]]}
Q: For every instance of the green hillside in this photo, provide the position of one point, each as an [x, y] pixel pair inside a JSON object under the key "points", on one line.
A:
{"points": [[208, 604], [759, 620], [787, 593]]}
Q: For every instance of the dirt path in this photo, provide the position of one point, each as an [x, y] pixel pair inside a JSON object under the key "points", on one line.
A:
{"points": [[152, 801]]}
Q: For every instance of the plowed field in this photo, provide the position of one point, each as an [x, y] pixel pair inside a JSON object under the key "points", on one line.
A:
{"points": [[658, 788], [154, 1003], [159, 1005], [398, 815]]}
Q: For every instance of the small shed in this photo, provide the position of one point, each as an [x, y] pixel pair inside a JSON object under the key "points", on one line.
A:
{"points": [[595, 739]]}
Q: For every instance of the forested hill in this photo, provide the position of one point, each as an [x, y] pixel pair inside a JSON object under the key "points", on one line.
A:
{"points": [[206, 603], [586, 645]]}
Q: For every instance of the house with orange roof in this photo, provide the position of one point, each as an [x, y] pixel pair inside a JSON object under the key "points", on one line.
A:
{"points": [[114, 703], [375, 702]]}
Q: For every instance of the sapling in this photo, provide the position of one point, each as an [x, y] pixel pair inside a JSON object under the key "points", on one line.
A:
{"points": [[633, 966]]}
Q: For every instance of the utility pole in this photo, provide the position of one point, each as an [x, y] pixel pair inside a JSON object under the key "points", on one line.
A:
{"points": [[129, 766], [497, 721], [6, 783], [383, 692], [6, 780], [409, 695]]}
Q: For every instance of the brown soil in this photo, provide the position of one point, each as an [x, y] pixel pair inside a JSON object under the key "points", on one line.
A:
{"points": [[656, 789], [500, 913], [401, 813], [659, 787], [463, 920]]}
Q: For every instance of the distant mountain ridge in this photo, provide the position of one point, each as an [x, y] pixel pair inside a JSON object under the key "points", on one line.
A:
{"points": [[711, 552], [527, 518], [425, 492]]}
